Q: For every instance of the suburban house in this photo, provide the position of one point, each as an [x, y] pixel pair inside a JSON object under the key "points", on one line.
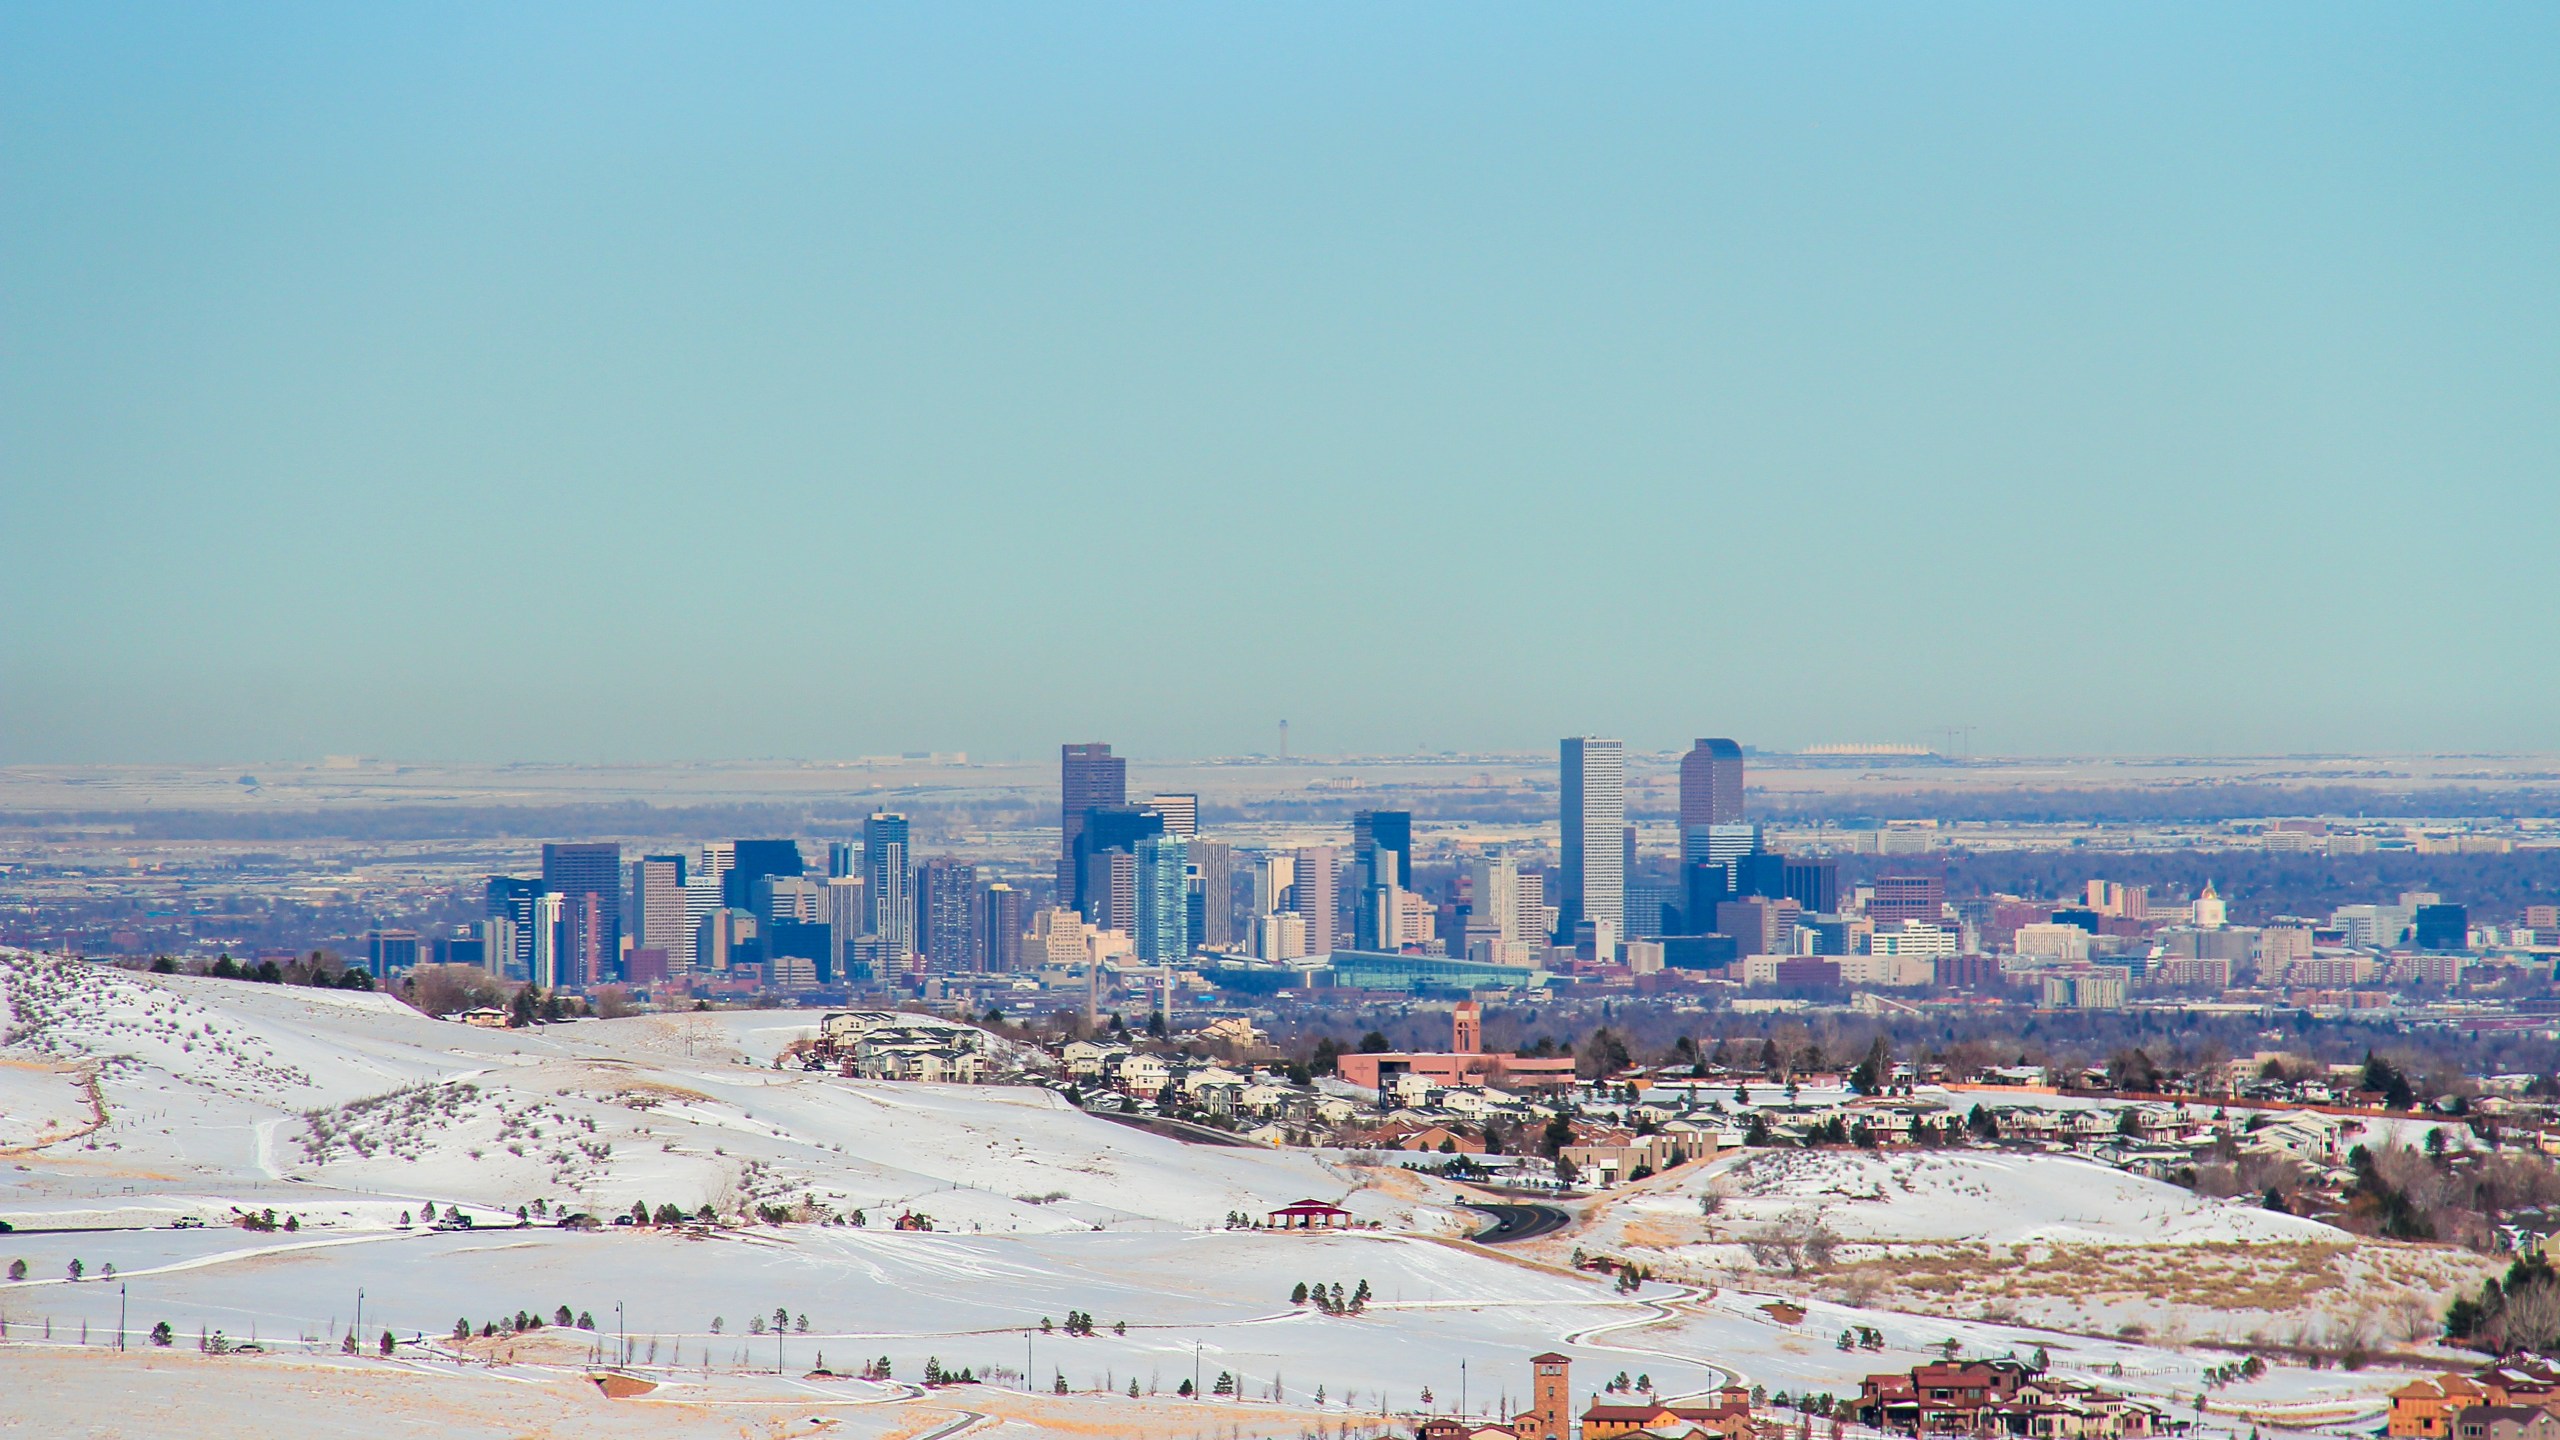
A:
{"points": [[2005, 1397], [1144, 1076], [2507, 1422], [1087, 1061], [2425, 1409], [2441, 1407], [917, 1060]]}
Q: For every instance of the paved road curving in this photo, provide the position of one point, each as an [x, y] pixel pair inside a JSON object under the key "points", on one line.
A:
{"points": [[965, 1420], [1517, 1220]]}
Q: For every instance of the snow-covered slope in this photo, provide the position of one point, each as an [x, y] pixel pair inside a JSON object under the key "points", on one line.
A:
{"points": [[346, 1113], [1995, 1198], [230, 1089]]}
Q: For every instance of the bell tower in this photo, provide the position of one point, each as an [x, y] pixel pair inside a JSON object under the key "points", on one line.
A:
{"points": [[1550, 1414], [1467, 1025]]}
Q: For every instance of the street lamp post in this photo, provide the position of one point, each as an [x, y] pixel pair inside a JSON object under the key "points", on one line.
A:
{"points": [[120, 1310], [622, 1333], [359, 1330]]}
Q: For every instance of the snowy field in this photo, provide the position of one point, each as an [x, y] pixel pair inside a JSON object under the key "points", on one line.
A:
{"points": [[347, 1115], [2035, 1239], [1993, 1197]]}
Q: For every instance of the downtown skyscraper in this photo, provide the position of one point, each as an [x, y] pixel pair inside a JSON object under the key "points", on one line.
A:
{"points": [[587, 877], [1162, 926], [1711, 785], [1592, 880], [1089, 775]]}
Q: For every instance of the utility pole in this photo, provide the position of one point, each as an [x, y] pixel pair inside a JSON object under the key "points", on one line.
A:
{"points": [[358, 1332], [622, 1331], [1462, 1385], [1195, 1371], [119, 1315]]}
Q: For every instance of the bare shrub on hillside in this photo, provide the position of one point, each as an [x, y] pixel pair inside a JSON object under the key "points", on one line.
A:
{"points": [[451, 989], [2413, 1317], [2528, 1320], [2516, 1181], [1797, 1244], [2249, 1175]]}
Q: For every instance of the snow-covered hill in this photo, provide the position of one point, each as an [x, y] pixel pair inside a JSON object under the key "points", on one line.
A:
{"points": [[347, 1114], [1990, 1197], [231, 1090]]}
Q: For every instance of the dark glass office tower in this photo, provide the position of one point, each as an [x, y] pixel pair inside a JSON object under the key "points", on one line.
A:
{"points": [[757, 859], [1106, 829], [1088, 775], [512, 898], [587, 875], [1376, 830]]}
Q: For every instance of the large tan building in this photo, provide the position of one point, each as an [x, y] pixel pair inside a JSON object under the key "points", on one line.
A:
{"points": [[1463, 1063]]}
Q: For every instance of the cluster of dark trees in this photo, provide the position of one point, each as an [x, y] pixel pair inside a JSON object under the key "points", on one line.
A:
{"points": [[523, 1321], [2519, 1310], [2139, 1047], [322, 970], [1329, 1299], [667, 1214], [2259, 884]]}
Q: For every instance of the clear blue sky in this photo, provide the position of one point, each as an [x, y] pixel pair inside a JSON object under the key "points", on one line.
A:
{"points": [[551, 382]]}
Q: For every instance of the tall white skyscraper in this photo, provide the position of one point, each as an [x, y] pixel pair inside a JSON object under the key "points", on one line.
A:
{"points": [[701, 898], [657, 910], [498, 946], [1319, 870], [1494, 914], [1272, 877], [893, 908], [1536, 919], [1592, 777], [719, 857], [549, 911]]}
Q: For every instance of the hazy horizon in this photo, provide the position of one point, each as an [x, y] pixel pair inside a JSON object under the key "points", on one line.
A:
{"points": [[590, 385]]}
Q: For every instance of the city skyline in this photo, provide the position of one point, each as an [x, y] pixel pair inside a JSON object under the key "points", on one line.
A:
{"points": [[509, 386], [1481, 722]]}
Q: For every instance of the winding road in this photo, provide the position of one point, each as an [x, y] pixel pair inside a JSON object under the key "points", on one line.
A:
{"points": [[965, 1420], [1517, 1220]]}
